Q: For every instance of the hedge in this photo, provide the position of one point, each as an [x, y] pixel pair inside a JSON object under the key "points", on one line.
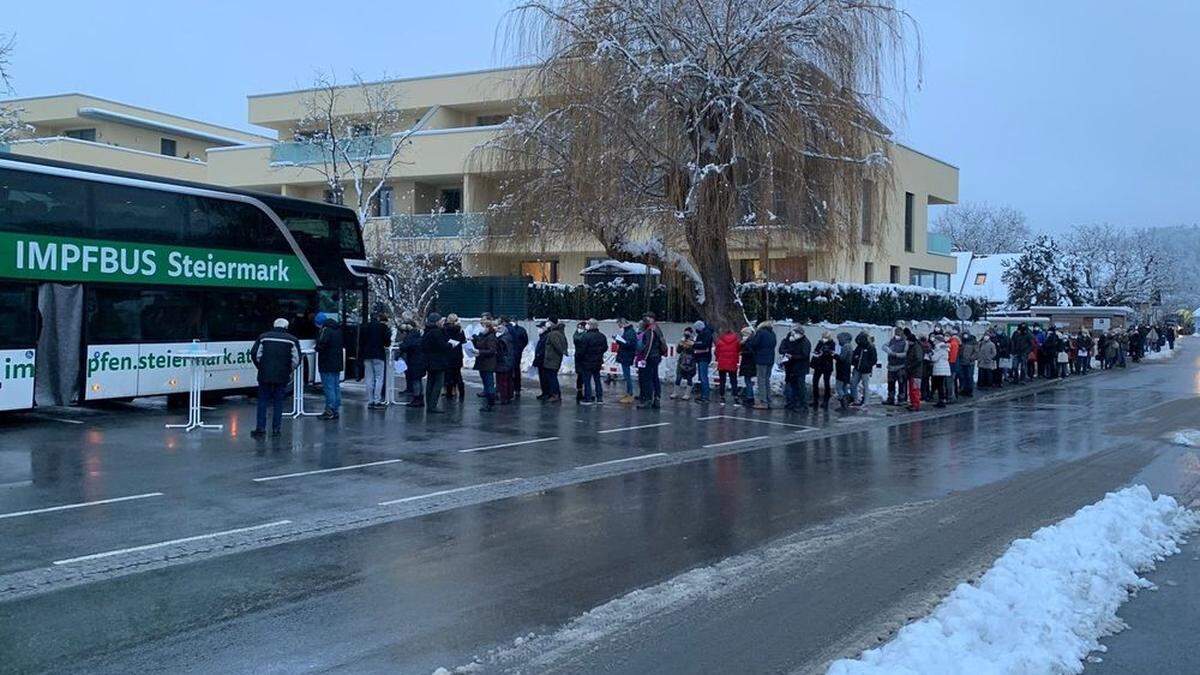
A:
{"points": [[881, 304]]}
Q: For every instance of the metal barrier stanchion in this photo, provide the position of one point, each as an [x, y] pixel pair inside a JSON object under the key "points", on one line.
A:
{"points": [[389, 387], [197, 359], [298, 388]]}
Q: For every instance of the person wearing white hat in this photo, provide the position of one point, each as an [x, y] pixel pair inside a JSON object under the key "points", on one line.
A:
{"points": [[276, 355]]}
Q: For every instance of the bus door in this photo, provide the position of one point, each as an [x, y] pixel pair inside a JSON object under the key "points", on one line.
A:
{"points": [[59, 344]]}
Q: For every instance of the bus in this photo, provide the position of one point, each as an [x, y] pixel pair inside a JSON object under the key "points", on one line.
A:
{"points": [[104, 275]]}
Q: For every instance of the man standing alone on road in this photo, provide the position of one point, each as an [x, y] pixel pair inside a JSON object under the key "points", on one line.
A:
{"points": [[276, 355], [374, 339]]}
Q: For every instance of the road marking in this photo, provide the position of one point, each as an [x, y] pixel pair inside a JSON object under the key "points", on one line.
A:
{"points": [[173, 542], [264, 479], [55, 419], [640, 426], [510, 445], [751, 419], [619, 461], [80, 505], [740, 440], [446, 492]]}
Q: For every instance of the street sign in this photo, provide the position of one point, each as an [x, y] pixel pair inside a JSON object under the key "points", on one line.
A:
{"points": [[963, 312]]}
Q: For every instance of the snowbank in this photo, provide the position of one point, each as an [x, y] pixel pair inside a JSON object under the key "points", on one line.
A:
{"points": [[1044, 604], [1188, 437], [1161, 355]]}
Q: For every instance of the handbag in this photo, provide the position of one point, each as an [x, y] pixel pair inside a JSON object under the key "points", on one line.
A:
{"points": [[1062, 357], [400, 366]]}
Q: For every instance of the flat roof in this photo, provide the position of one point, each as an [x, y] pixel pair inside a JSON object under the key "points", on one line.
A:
{"points": [[394, 80]]}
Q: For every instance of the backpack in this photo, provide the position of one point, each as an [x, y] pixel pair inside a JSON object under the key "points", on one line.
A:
{"points": [[687, 364]]}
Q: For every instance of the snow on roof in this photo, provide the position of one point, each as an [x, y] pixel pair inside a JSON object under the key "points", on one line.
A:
{"points": [[619, 267], [981, 275]]}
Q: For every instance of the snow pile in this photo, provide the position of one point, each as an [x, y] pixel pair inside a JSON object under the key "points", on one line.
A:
{"points": [[1046, 602], [1160, 355], [1188, 437]]}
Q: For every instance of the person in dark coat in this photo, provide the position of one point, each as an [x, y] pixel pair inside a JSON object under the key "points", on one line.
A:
{"points": [[702, 354], [763, 346], [413, 353], [552, 358], [331, 361], [520, 340], [915, 366], [454, 381], [580, 330], [747, 369], [539, 360], [652, 347], [438, 356], [863, 360], [486, 363], [589, 359], [843, 369], [276, 355], [796, 350], [374, 341], [626, 341], [1003, 356], [505, 358], [1021, 345], [822, 367]]}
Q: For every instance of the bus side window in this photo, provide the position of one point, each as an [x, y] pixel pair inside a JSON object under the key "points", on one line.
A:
{"points": [[138, 215], [217, 223], [114, 316], [39, 204], [18, 313], [172, 316]]}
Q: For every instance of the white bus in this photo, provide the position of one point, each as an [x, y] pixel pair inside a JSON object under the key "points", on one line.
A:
{"points": [[104, 275]]}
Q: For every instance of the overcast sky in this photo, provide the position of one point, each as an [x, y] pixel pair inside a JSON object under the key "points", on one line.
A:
{"points": [[1069, 110]]}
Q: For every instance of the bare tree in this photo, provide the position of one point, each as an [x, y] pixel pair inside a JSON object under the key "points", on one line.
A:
{"points": [[1122, 266], [11, 124], [660, 128], [356, 136], [417, 260], [983, 228]]}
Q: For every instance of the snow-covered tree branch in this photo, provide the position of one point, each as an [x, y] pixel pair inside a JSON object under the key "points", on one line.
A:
{"points": [[418, 261], [12, 125], [684, 122], [983, 229]]}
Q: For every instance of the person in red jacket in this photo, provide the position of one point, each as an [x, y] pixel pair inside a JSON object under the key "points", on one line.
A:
{"points": [[727, 350]]}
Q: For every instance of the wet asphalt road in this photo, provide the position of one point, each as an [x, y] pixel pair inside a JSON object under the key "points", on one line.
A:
{"points": [[412, 593]]}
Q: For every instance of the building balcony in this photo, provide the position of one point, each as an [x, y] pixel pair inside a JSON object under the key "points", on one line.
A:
{"points": [[302, 153], [408, 226], [937, 244]]}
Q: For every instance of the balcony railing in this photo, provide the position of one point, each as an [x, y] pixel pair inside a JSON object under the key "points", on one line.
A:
{"points": [[320, 152], [438, 225], [937, 243]]}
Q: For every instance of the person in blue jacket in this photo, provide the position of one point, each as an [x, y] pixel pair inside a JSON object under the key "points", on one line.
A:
{"points": [[762, 345]]}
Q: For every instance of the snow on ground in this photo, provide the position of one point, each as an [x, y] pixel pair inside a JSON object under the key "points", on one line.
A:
{"points": [[1159, 355], [1188, 437], [1045, 603]]}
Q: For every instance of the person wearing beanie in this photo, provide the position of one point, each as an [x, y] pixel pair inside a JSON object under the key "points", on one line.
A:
{"points": [[331, 355], [276, 355], [374, 341]]}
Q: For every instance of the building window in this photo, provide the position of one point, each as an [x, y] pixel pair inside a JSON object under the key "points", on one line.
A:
{"points": [[868, 273], [868, 212], [908, 222], [929, 279], [981, 279], [451, 200], [81, 134], [545, 271], [360, 130], [750, 269], [894, 274], [166, 146], [381, 207], [789, 269], [490, 120]]}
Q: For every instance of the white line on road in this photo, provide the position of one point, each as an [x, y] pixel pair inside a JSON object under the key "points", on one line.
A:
{"points": [[263, 479], [751, 419], [173, 542], [640, 426], [619, 461], [510, 445], [740, 440], [56, 419], [446, 492], [80, 505]]}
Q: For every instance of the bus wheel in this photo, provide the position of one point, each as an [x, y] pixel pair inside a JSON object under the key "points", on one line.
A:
{"points": [[176, 401]]}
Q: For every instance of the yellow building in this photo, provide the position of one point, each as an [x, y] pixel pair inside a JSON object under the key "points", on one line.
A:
{"points": [[444, 118], [95, 131]]}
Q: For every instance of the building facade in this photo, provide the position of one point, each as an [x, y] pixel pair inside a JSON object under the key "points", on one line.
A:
{"points": [[436, 187]]}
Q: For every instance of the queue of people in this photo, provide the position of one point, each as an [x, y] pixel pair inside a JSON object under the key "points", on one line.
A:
{"points": [[939, 366]]}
